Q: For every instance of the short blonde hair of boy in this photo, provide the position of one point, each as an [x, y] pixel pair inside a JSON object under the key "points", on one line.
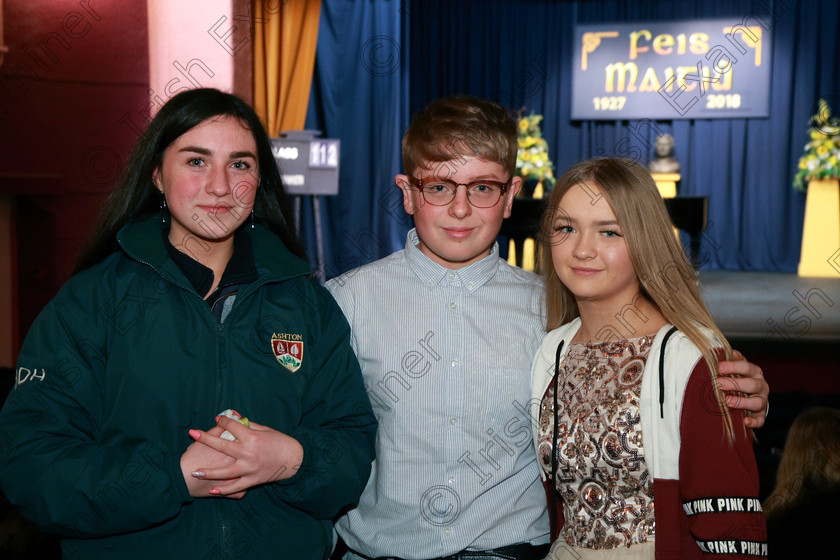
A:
{"points": [[455, 127], [666, 279]]}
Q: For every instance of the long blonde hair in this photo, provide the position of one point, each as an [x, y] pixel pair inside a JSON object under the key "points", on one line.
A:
{"points": [[811, 458], [666, 279]]}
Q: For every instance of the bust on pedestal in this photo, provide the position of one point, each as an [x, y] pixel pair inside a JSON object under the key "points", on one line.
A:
{"points": [[664, 160], [664, 167]]}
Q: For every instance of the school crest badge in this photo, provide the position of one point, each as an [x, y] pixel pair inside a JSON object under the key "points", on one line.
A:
{"points": [[288, 349]]}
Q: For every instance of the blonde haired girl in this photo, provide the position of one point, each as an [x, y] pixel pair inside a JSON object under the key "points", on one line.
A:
{"points": [[627, 383]]}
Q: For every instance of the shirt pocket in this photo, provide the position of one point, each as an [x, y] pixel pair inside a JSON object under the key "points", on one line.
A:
{"points": [[500, 396]]}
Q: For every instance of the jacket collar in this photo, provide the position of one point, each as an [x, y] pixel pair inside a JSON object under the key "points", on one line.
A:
{"points": [[144, 241]]}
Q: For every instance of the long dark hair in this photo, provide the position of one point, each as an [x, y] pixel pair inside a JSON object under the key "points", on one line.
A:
{"points": [[136, 195]]}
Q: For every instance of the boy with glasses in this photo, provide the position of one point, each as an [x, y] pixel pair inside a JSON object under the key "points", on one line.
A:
{"points": [[445, 332]]}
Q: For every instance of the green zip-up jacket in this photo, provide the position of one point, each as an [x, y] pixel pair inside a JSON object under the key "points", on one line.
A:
{"points": [[128, 357]]}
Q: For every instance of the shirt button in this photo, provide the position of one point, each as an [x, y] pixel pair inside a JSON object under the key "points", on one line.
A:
{"points": [[450, 276], [447, 531], [451, 480], [454, 363], [453, 421], [470, 286], [452, 305]]}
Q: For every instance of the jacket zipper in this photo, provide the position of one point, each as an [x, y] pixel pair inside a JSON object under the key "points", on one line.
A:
{"points": [[224, 526], [221, 365]]}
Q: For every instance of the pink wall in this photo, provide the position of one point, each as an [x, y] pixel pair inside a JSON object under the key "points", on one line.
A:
{"points": [[192, 44]]}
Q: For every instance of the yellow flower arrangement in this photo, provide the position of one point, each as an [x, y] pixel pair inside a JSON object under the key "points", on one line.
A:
{"points": [[532, 161], [822, 152]]}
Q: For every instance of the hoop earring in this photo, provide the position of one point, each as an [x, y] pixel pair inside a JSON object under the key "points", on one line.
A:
{"points": [[162, 207]]}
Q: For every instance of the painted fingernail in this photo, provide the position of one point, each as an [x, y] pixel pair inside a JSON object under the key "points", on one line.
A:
{"points": [[217, 418], [215, 491], [195, 434], [198, 474]]}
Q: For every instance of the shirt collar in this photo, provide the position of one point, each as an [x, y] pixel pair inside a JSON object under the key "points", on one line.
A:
{"points": [[471, 277]]}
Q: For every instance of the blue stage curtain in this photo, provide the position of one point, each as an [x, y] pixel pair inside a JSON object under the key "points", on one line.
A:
{"points": [[379, 61], [360, 96], [519, 53]]}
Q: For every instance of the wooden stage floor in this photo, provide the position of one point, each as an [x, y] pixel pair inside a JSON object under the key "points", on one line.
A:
{"points": [[773, 307]]}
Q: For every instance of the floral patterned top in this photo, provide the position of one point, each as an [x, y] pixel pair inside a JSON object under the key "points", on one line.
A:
{"points": [[602, 476]]}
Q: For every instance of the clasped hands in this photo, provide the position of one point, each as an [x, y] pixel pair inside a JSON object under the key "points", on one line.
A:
{"points": [[213, 466]]}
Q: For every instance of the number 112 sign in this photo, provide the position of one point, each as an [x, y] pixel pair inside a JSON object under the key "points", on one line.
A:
{"points": [[323, 154], [308, 165], [697, 69]]}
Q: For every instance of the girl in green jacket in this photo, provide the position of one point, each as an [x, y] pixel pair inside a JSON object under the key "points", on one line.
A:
{"points": [[193, 297]]}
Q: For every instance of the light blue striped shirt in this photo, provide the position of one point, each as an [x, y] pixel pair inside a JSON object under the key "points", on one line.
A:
{"points": [[446, 356]]}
